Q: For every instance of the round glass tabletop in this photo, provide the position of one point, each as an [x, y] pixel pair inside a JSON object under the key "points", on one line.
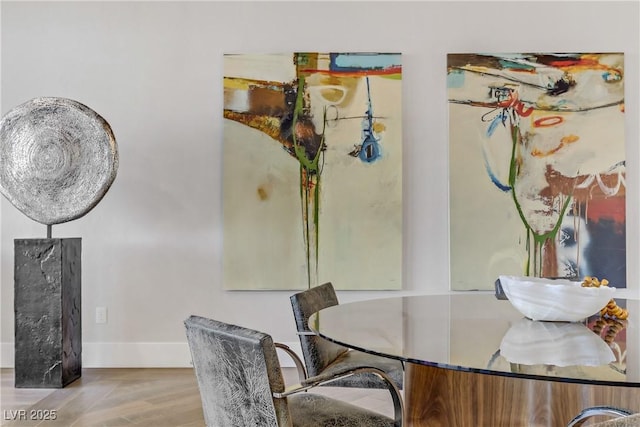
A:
{"points": [[475, 331]]}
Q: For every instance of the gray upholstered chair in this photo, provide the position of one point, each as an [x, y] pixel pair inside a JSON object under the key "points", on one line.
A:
{"points": [[323, 357], [626, 421], [623, 417], [241, 383]]}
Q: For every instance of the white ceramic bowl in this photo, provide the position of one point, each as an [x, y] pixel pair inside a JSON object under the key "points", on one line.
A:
{"points": [[554, 343], [558, 300]]}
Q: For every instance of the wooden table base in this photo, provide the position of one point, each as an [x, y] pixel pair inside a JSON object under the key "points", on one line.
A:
{"points": [[442, 397]]}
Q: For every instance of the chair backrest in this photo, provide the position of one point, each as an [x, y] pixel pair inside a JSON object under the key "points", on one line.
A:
{"points": [[318, 353], [237, 370]]}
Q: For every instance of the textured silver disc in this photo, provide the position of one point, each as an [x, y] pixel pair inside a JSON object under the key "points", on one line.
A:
{"points": [[58, 158]]}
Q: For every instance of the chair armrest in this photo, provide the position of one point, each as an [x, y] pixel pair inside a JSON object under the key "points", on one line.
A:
{"points": [[302, 372], [593, 411], [311, 382]]}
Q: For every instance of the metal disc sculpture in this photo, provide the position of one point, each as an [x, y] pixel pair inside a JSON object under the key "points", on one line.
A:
{"points": [[58, 158]]}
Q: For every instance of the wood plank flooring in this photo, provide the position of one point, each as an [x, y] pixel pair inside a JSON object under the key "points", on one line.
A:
{"points": [[135, 397]]}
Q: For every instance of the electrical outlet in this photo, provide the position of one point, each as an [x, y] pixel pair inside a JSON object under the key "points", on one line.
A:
{"points": [[101, 314]]}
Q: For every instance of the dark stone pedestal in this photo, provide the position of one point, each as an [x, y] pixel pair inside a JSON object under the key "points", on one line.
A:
{"points": [[48, 329]]}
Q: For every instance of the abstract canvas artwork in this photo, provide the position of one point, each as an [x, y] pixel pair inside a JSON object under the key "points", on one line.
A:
{"points": [[537, 166], [312, 174]]}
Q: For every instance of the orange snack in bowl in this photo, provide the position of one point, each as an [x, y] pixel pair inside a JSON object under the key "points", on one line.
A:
{"points": [[590, 282], [611, 309]]}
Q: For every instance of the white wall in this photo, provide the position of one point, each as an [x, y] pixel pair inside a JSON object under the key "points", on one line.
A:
{"points": [[152, 247]]}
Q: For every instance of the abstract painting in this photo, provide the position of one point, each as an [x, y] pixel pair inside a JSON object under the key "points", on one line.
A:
{"points": [[312, 173], [537, 166]]}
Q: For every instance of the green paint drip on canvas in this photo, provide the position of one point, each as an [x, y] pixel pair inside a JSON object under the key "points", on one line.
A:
{"points": [[310, 173], [539, 240]]}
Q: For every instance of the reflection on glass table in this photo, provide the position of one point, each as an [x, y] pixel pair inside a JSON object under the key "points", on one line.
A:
{"points": [[564, 349], [529, 342]]}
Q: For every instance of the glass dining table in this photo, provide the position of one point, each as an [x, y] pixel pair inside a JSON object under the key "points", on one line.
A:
{"points": [[472, 359]]}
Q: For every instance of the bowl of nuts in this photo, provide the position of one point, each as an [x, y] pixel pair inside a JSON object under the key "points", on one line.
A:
{"points": [[558, 300]]}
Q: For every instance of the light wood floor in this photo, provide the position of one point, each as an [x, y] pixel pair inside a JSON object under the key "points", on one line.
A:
{"points": [[136, 397]]}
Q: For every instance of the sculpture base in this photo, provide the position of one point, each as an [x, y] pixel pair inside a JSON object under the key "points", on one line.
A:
{"points": [[48, 329]]}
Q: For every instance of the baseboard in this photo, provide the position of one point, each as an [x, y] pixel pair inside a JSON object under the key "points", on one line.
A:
{"points": [[135, 355]]}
